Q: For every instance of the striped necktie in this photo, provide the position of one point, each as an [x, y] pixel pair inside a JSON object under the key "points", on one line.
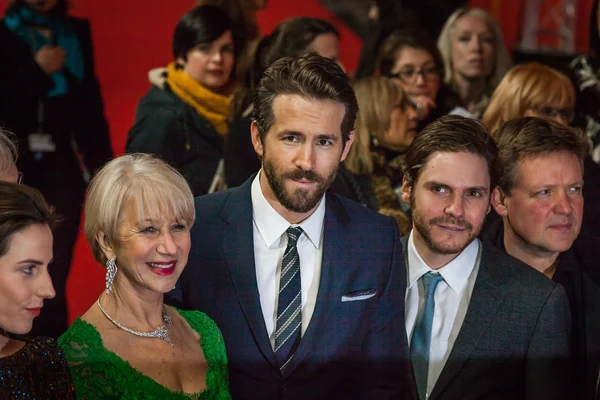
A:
{"points": [[289, 305]]}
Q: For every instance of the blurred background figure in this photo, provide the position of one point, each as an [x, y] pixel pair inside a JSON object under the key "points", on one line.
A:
{"points": [[50, 99], [8, 158], [586, 69], [184, 117], [129, 345], [246, 31], [375, 20], [292, 37], [385, 127], [533, 90], [474, 56], [33, 367], [413, 60], [537, 90]]}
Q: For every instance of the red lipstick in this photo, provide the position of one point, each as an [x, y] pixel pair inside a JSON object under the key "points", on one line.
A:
{"points": [[35, 311]]}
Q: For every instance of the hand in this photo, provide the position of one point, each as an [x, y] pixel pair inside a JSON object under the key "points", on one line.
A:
{"points": [[50, 59], [423, 105]]}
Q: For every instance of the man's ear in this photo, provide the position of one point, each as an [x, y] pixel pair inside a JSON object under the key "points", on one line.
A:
{"points": [[499, 202], [106, 247], [406, 190], [256, 141], [347, 145]]}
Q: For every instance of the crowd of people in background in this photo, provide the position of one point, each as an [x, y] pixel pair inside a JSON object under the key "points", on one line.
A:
{"points": [[426, 227]]}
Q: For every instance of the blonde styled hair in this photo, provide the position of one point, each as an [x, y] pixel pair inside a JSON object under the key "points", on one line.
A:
{"points": [[153, 187], [502, 60], [527, 86], [377, 96]]}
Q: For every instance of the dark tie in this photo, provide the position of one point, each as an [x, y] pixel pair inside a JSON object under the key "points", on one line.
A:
{"points": [[421, 338], [289, 305]]}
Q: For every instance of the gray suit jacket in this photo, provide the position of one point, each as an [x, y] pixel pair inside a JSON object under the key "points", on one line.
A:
{"points": [[514, 341]]}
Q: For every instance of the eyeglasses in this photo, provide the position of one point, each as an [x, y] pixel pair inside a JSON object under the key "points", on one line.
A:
{"points": [[548, 112], [410, 75], [20, 178]]}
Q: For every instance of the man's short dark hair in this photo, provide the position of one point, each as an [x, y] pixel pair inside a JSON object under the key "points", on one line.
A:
{"points": [[202, 24], [529, 137], [451, 134], [310, 76]]}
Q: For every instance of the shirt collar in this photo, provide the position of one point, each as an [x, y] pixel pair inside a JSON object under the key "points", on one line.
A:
{"points": [[271, 225], [456, 273]]}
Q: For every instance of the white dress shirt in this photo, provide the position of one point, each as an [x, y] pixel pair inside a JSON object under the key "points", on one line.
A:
{"points": [[270, 241], [452, 298]]}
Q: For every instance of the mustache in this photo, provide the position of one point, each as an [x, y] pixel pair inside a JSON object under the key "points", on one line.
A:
{"points": [[450, 220], [301, 174]]}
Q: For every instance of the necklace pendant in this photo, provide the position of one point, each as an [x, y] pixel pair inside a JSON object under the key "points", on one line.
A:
{"points": [[163, 333]]}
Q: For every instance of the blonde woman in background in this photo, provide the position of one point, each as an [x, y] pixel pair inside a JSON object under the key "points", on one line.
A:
{"points": [[385, 126], [475, 57], [531, 90]]}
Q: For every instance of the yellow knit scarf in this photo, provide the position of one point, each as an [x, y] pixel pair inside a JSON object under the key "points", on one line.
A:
{"points": [[212, 106]]}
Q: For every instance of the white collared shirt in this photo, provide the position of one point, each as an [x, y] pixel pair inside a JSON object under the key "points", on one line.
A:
{"points": [[452, 298], [270, 241]]}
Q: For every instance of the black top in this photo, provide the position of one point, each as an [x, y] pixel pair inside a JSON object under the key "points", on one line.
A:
{"points": [[174, 131], [78, 115], [584, 304], [37, 371]]}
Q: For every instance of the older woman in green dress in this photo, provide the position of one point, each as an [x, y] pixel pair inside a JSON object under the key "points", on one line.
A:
{"points": [[129, 344]]}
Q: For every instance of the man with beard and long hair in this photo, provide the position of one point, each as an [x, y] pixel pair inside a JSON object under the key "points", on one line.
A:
{"points": [[480, 323], [306, 286]]}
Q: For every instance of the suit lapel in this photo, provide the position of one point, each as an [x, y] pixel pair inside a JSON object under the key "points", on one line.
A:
{"points": [[333, 278], [238, 247], [486, 299]]}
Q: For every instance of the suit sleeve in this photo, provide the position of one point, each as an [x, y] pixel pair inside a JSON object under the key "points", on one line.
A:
{"points": [[548, 358], [385, 349]]}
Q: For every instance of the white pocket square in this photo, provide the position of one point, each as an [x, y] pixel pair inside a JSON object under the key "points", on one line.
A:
{"points": [[359, 295]]}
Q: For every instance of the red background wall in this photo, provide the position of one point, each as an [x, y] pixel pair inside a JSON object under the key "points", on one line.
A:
{"points": [[133, 36]]}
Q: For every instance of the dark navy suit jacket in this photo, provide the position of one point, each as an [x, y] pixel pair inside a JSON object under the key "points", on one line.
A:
{"points": [[350, 350]]}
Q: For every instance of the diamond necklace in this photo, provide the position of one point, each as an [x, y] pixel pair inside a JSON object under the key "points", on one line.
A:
{"points": [[160, 333]]}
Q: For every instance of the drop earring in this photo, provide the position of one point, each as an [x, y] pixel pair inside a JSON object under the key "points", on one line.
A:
{"points": [[111, 271]]}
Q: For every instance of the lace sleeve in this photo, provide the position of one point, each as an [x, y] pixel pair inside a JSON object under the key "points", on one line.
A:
{"points": [[94, 377]]}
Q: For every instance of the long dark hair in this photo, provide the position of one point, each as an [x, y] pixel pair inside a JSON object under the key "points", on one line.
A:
{"points": [[291, 38], [21, 206]]}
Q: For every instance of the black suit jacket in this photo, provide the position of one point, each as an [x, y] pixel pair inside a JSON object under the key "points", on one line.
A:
{"points": [[350, 350], [514, 341]]}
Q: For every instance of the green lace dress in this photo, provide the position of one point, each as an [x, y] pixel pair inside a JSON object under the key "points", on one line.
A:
{"points": [[100, 374]]}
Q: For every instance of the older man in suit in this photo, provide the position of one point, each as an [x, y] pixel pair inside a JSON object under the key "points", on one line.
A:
{"points": [[540, 201], [307, 287], [482, 325]]}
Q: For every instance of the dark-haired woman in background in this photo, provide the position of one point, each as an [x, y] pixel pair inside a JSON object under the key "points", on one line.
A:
{"points": [[50, 99], [184, 117], [292, 37], [34, 368], [412, 59]]}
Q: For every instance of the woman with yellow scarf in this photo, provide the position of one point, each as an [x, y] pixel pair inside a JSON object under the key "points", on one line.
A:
{"points": [[183, 119]]}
